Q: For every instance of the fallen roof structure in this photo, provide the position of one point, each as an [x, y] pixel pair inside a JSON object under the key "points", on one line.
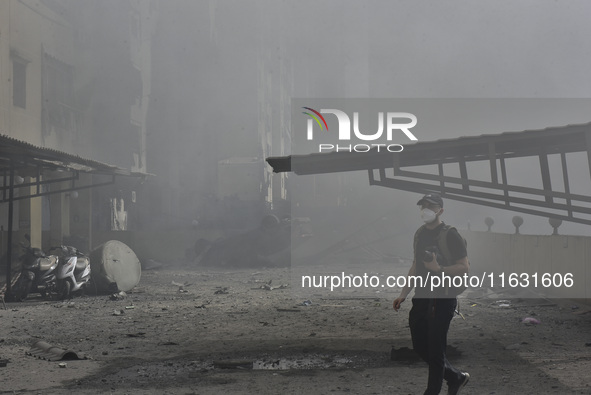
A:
{"points": [[395, 170]]}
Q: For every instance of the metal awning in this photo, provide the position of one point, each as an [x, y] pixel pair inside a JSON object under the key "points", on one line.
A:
{"points": [[46, 166], [405, 170], [562, 140], [27, 160]]}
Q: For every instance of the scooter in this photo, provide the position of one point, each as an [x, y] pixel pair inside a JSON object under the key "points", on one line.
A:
{"points": [[38, 273], [73, 272]]}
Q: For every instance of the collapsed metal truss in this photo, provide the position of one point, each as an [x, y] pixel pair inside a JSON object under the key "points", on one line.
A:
{"points": [[401, 170]]}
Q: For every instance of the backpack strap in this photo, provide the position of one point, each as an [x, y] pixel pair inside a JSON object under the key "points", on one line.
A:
{"points": [[441, 239], [444, 249], [416, 241], [442, 244]]}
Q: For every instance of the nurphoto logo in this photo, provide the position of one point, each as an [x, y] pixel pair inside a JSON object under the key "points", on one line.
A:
{"points": [[395, 122]]}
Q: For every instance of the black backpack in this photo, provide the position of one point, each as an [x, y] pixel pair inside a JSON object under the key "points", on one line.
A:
{"points": [[444, 249]]}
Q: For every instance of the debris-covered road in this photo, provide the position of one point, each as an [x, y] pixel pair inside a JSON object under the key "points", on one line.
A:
{"points": [[244, 331]]}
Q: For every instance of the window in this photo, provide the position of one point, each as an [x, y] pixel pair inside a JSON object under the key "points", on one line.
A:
{"points": [[58, 84], [19, 83], [59, 113]]}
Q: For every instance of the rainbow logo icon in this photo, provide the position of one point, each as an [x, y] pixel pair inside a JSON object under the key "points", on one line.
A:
{"points": [[315, 115]]}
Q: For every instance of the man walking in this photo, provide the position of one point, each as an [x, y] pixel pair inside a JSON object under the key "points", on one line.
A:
{"points": [[439, 250]]}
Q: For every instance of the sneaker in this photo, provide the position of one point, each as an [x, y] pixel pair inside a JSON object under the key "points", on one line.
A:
{"points": [[453, 389]]}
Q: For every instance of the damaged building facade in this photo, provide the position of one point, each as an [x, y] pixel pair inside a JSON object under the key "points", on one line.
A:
{"points": [[154, 87], [221, 117], [74, 77], [241, 64]]}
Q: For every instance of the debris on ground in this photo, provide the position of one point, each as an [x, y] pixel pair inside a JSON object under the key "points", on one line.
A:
{"points": [[170, 337], [582, 312], [531, 321], [233, 364], [502, 303], [118, 296], [138, 334], [44, 350], [182, 286], [267, 286], [515, 346], [264, 246], [168, 343]]}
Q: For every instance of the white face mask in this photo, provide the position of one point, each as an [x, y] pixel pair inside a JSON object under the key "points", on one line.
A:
{"points": [[428, 216]]}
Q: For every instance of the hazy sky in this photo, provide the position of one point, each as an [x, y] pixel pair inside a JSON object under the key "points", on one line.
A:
{"points": [[487, 48], [247, 54], [453, 49]]}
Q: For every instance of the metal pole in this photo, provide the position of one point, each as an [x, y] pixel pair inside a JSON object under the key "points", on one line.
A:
{"points": [[9, 236]]}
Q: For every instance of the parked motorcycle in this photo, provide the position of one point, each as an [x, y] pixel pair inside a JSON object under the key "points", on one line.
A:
{"points": [[73, 271], [38, 273]]}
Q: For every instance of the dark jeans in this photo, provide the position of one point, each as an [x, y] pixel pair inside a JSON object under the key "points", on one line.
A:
{"points": [[429, 321]]}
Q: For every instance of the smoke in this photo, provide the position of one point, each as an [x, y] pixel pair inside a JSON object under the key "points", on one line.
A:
{"points": [[223, 74]]}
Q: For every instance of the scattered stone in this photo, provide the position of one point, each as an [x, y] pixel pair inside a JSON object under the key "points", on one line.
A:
{"points": [[182, 286], [269, 287], [233, 364], [118, 296], [530, 321], [138, 334], [168, 344], [502, 303]]}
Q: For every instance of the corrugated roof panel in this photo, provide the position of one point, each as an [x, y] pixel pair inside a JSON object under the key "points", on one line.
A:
{"points": [[13, 150]]}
